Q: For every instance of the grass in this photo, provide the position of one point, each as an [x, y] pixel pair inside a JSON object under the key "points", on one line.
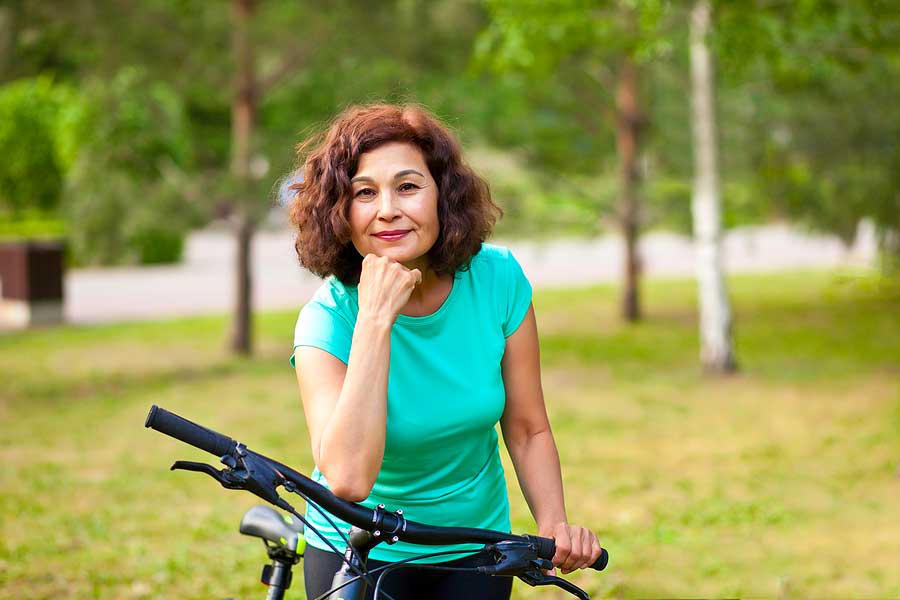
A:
{"points": [[779, 481]]}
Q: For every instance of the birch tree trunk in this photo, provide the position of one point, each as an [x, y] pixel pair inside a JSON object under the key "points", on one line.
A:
{"points": [[716, 349], [243, 109]]}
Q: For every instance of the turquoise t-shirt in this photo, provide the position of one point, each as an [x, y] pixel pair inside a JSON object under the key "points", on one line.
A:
{"points": [[445, 397]]}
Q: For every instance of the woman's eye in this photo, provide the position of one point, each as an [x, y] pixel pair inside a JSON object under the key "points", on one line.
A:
{"points": [[365, 192], [408, 187]]}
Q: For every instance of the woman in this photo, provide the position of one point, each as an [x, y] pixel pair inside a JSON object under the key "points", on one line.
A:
{"points": [[420, 340]]}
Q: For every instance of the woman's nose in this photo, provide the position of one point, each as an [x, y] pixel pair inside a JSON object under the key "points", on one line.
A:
{"points": [[387, 205]]}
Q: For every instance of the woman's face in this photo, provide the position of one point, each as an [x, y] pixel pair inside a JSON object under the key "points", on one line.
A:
{"points": [[393, 191]]}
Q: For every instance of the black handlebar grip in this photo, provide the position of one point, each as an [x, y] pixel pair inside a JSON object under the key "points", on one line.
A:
{"points": [[189, 432], [546, 548]]}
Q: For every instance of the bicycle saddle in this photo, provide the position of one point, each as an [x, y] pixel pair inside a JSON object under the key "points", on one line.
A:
{"points": [[283, 531]]}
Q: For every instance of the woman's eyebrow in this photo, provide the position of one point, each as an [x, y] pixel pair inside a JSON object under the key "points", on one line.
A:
{"points": [[407, 172], [398, 175]]}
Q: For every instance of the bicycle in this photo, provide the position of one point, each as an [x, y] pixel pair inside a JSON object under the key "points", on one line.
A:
{"points": [[522, 556]]}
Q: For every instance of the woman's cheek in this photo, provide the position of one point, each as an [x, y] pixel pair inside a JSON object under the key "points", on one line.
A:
{"points": [[358, 224]]}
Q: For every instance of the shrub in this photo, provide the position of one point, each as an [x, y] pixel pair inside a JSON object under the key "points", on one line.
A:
{"points": [[32, 170], [124, 196]]}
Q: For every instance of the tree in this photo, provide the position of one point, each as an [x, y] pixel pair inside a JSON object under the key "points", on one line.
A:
{"points": [[292, 65], [716, 349], [822, 141], [243, 114], [541, 37]]}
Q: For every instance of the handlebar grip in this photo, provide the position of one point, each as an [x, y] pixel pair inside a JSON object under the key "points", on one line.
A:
{"points": [[602, 561], [546, 548], [189, 432]]}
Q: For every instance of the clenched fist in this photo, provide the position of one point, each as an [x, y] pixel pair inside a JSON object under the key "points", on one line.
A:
{"points": [[385, 287], [576, 547]]}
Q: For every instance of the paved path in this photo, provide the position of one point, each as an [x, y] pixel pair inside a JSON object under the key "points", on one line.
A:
{"points": [[203, 283]]}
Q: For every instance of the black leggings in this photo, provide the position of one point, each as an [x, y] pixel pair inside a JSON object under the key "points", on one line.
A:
{"points": [[319, 567]]}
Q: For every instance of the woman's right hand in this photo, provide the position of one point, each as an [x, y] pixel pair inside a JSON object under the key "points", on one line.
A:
{"points": [[385, 287]]}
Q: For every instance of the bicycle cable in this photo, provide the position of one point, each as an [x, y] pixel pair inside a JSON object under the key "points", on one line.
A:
{"points": [[362, 573], [333, 526], [404, 563], [366, 574], [388, 569]]}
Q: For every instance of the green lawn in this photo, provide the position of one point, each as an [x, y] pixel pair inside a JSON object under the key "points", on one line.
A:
{"points": [[780, 481]]}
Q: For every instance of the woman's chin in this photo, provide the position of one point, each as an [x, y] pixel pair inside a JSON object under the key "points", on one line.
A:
{"points": [[397, 254]]}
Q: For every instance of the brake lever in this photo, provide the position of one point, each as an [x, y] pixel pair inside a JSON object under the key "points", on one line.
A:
{"points": [[537, 578], [244, 470], [519, 559], [226, 477]]}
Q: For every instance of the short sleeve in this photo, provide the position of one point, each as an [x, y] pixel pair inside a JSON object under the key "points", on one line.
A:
{"points": [[325, 328], [518, 296]]}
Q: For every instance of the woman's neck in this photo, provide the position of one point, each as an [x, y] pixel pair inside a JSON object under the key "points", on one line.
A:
{"points": [[428, 296]]}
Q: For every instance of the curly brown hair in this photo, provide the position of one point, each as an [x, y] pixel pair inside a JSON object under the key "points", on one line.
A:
{"points": [[321, 203]]}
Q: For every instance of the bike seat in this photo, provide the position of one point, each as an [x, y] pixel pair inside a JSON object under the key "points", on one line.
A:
{"points": [[272, 526]]}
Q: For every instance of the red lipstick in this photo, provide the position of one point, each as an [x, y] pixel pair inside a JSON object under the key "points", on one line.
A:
{"points": [[394, 234]]}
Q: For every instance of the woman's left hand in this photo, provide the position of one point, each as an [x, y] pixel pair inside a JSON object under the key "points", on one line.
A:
{"points": [[576, 547]]}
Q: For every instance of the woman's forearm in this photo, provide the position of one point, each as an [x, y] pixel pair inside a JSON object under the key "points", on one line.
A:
{"points": [[536, 462], [351, 448]]}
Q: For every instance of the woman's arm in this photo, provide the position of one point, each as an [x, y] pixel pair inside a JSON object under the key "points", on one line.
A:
{"points": [[346, 405], [527, 434]]}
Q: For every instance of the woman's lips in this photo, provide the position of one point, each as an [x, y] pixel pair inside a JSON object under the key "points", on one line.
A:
{"points": [[390, 237]]}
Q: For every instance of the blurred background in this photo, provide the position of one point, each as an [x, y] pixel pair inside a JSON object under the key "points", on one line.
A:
{"points": [[705, 195]]}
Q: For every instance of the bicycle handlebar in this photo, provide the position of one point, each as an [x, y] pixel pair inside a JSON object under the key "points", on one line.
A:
{"points": [[393, 524], [189, 432]]}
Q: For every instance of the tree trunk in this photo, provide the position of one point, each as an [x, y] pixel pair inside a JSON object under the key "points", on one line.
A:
{"points": [[10, 25], [243, 110], [628, 125], [241, 335], [716, 350]]}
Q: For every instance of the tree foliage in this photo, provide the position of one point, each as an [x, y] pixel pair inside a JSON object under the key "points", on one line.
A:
{"points": [[806, 97], [821, 133], [124, 195], [33, 167]]}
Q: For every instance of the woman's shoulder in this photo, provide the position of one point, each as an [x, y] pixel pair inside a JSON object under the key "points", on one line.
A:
{"points": [[492, 252], [326, 321], [492, 255], [495, 268], [492, 260], [334, 296]]}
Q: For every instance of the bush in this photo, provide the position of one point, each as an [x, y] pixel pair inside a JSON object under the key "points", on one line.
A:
{"points": [[158, 246], [32, 170], [124, 197], [117, 219], [32, 225]]}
